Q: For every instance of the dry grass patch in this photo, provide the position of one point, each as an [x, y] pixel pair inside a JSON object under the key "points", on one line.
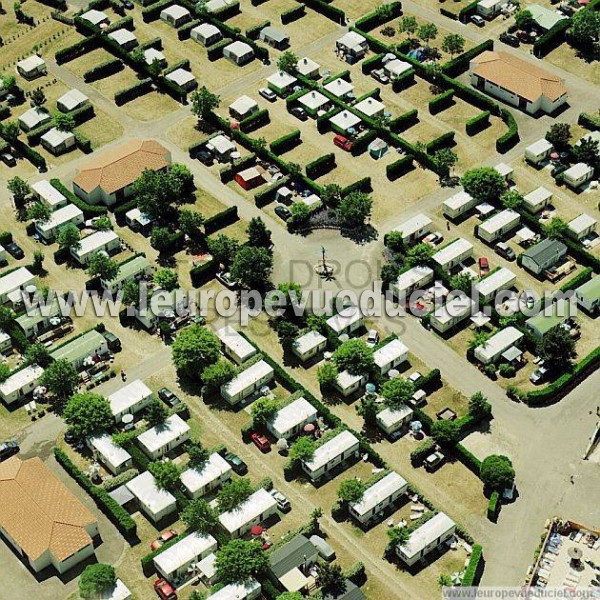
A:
{"points": [[151, 107], [184, 133], [108, 86], [356, 8], [89, 60], [101, 130]]}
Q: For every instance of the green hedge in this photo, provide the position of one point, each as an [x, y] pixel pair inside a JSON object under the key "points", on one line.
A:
{"points": [[362, 185], [403, 80], [379, 16], [449, 14], [267, 194], [76, 50], [293, 14], [35, 158], [371, 63], [116, 513], [493, 507], [124, 23], [184, 32], [152, 43], [474, 567], [468, 94], [285, 143], [255, 121], [135, 91], [589, 121], [509, 139], [343, 75], [361, 143], [441, 102], [221, 220], [399, 167], [320, 166], [83, 143], [203, 273], [550, 40], [215, 51], [331, 12], [152, 12], [578, 280], [254, 31], [404, 121], [477, 123], [422, 451], [442, 141], [460, 64], [468, 11], [89, 210], [104, 69]]}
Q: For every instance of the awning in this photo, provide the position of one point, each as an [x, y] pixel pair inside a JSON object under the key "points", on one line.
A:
{"points": [[484, 209], [480, 319], [512, 354], [525, 234], [294, 580]]}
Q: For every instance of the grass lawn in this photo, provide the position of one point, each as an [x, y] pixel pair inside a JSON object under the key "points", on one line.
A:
{"points": [[89, 60], [566, 58], [115, 83], [356, 8], [184, 132], [101, 130], [151, 107]]}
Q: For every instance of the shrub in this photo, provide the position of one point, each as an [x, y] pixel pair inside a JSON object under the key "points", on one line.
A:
{"points": [[35, 158], [215, 51], [203, 273], [361, 143], [373, 62], [449, 14], [589, 121], [468, 11], [221, 220], [507, 140], [578, 280], [362, 185], [293, 14], [441, 102], [184, 32], [477, 123], [76, 50], [493, 506], [403, 80], [152, 12], [468, 94], [422, 451], [459, 64], [320, 166], [399, 167], [255, 120], [104, 69], [285, 143], [379, 17], [133, 92], [551, 39]]}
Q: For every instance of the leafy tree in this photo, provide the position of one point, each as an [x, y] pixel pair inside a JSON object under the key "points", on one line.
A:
{"points": [[444, 159], [453, 44], [445, 433], [588, 151], [478, 339], [4, 372], [287, 333], [8, 82], [287, 62], [162, 238], [6, 316], [155, 68], [263, 410], [61, 379], [10, 131], [302, 449], [559, 135], [204, 102], [199, 516], [300, 215], [88, 413], [326, 374], [96, 579], [354, 209], [419, 255], [293, 295], [190, 223], [330, 578], [497, 472], [408, 24], [461, 281], [223, 249], [483, 183], [68, 236], [427, 32], [166, 279], [368, 409], [556, 228], [395, 241], [37, 96], [511, 199], [351, 490], [258, 234], [155, 413], [354, 356], [39, 212], [157, 193], [64, 122], [557, 348], [218, 374], [19, 188], [397, 392], [183, 178], [331, 195], [131, 293], [389, 273], [103, 223], [524, 19], [239, 560], [194, 349], [585, 28], [479, 407], [165, 473], [234, 493], [252, 267], [197, 595], [398, 536], [37, 354], [198, 455], [290, 596], [102, 266]]}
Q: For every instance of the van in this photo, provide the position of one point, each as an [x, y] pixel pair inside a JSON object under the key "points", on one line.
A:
{"points": [[341, 142]]}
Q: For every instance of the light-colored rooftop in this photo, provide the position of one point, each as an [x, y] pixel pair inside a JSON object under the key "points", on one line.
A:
{"points": [[160, 435], [380, 491], [196, 478], [331, 449], [298, 411], [257, 504], [184, 551], [128, 395], [144, 488]]}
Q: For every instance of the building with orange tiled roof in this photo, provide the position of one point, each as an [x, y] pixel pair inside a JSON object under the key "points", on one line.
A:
{"points": [[44, 521], [110, 177], [517, 82]]}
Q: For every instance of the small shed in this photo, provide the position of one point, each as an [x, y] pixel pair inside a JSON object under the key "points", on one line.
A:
{"points": [[175, 15], [238, 53], [588, 295], [20, 383], [57, 141], [394, 68], [61, 217], [505, 170], [452, 313], [393, 421], [577, 175], [206, 34], [538, 152], [308, 68], [33, 118], [135, 268], [274, 37], [310, 344], [347, 321], [281, 83], [347, 383], [378, 148], [139, 221], [537, 199], [499, 280], [248, 590], [243, 107], [581, 226], [125, 38], [174, 562], [426, 538], [370, 107], [72, 100], [16, 280], [5, 342], [32, 67], [249, 178], [543, 255], [331, 454], [488, 9], [378, 497], [183, 78], [552, 316], [100, 241]]}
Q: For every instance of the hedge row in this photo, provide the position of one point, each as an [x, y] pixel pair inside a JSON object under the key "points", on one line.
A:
{"points": [[35, 158], [477, 123], [468, 94], [379, 16], [89, 210], [442, 141], [320, 166], [460, 64], [285, 143], [153, 43], [152, 12], [405, 121], [83, 143], [110, 507], [180, 64], [202, 274], [371, 63], [58, 4], [125, 23], [550, 40], [361, 143], [104, 69], [76, 50], [331, 12], [399, 167], [473, 568], [184, 32], [507, 140], [215, 51], [441, 102], [589, 121], [403, 80], [422, 451], [449, 14], [133, 92], [267, 194], [343, 75], [468, 459], [362, 185], [255, 121], [493, 506], [468, 11], [578, 280], [293, 14], [221, 220]]}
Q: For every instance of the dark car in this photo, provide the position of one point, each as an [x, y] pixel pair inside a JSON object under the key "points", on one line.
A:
{"points": [[15, 250], [237, 464], [283, 212], [8, 159], [299, 113], [509, 39], [113, 342], [168, 397], [205, 157], [8, 449], [505, 251], [128, 4]]}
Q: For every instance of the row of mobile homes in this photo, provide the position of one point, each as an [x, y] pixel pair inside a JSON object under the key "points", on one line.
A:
{"points": [[290, 420], [309, 345], [588, 295], [61, 217], [347, 383], [174, 563], [115, 458], [248, 590], [133, 269], [198, 481], [581, 227], [21, 383], [455, 311], [347, 321], [394, 421], [453, 254], [45, 192], [552, 316], [100, 241], [130, 399], [538, 152], [247, 382], [498, 344], [15, 281], [415, 228], [577, 175], [543, 255], [153, 501], [378, 497], [390, 356], [78, 350], [498, 226], [331, 454], [414, 279], [235, 345], [255, 510], [501, 279], [164, 437], [537, 200], [427, 538], [458, 205]]}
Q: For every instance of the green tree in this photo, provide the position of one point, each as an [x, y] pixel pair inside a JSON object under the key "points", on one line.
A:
{"points": [[103, 223], [585, 29], [204, 102], [166, 279], [461, 281], [483, 183], [6, 316], [427, 32], [61, 379], [19, 188], [355, 209], [158, 192], [37, 354], [155, 68], [408, 24], [131, 293], [197, 595], [511, 199], [8, 83], [68, 236], [479, 407], [354, 356], [258, 234], [394, 240], [194, 349], [234, 493], [155, 413], [64, 122], [88, 414], [199, 516], [223, 249], [330, 578], [300, 215], [559, 135], [303, 449], [96, 579], [419, 255], [368, 409], [287, 332], [588, 151], [326, 374], [165, 473], [444, 159], [351, 490], [37, 97], [240, 560], [290, 596], [190, 223], [101, 265], [556, 228], [252, 267], [453, 44], [524, 19], [397, 392], [287, 62], [497, 472], [162, 238], [198, 455], [557, 348], [389, 273], [39, 212], [479, 338], [10, 131], [445, 433], [398, 536], [263, 410], [331, 195], [182, 178], [444, 580], [218, 374]]}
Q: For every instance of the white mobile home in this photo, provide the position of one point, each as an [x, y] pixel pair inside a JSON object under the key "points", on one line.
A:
{"points": [[72, 100], [581, 226], [113, 457], [33, 322], [538, 152], [19, 279], [291, 419], [352, 44], [370, 107], [243, 107], [256, 509], [339, 87], [390, 356], [163, 304], [537, 200], [174, 562], [125, 38], [57, 141], [415, 278], [458, 205], [588, 295], [130, 399], [347, 383], [183, 78], [32, 67], [175, 15], [453, 254], [345, 122], [577, 175], [5, 342], [33, 118], [154, 502], [488, 9], [379, 496], [164, 437], [222, 147], [134, 269], [206, 34], [346, 321], [20, 384], [61, 217], [309, 345], [498, 226], [499, 343], [415, 228], [452, 313], [504, 170], [45, 192], [313, 102], [308, 67], [79, 349], [101, 241], [331, 454], [430, 536], [248, 590], [393, 421], [488, 287], [214, 473], [235, 345], [247, 382], [395, 68], [96, 17], [238, 53]]}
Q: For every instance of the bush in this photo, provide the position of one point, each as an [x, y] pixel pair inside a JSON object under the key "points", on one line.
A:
{"points": [[76, 50], [124, 23], [331, 12], [379, 17], [104, 69], [399, 167], [493, 507], [404, 121], [89, 210], [255, 120], [361, 143], [507, 370], [371, 63], [444, 140], [441, 102], [285, 143], [403, 80], [83, 143], [458, 65], [506, 141], [35, 158], [468, 459], [578, 280], [477, 123], [133, 92], [468, 94], [356, 574], [203, 273], [421, 452], [589, 121], [254, 31], [215, 51], [320, 166], [362, 185], [152, 12], [550, 40], [449, 14], [221, 220], [293, 14], [473, 568]]}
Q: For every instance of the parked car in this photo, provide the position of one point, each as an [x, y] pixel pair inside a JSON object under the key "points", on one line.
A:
{"points": [[558, 169], [433, 461], [509, 39], [8, 159], [505, 251], [260, 441], [380, 75], [225, 279], [372, 338], [163, 538], [283, 212], [8, 449], [237, 464], [168, 397], [484, 266], [283, 504], [509, 492], [538, 375], [479, 21], [268, 94], [15, 250], [299, 113], [128, 4], [205, 156], [342, 142], [113, 342], [164, 589], [434, 239]]}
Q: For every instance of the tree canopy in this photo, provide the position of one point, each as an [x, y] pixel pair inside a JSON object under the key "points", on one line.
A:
{"points": [[223, 248], [61, 379], [497, 472], [101, 265], [354, 356], [483, 183], [258, 234], [263, 410], [158, 192], [445, 433], [354, 209], [302, 449], [87, 413], [199, 516], [233, 493], [219, 373], [68, 236], [204, 102], [252, 267], [326, 374], [559, 135], [351, 490], [239, 560], [194, 349], [397, 392], [557, 348], [166, 279], [287, 62], [96, 579], [155, 413], [165, 473], [479, 406], [198, 455], [453, 44], [39, 212], [420, 254]]}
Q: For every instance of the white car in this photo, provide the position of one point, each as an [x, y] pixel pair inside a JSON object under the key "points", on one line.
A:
{"points": [[372, 338]]}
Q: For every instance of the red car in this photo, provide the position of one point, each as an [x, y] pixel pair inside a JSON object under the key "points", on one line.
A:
{"points": [[484, 266], [164, 590], [163, 538], [341, 142], [261, 442]]}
